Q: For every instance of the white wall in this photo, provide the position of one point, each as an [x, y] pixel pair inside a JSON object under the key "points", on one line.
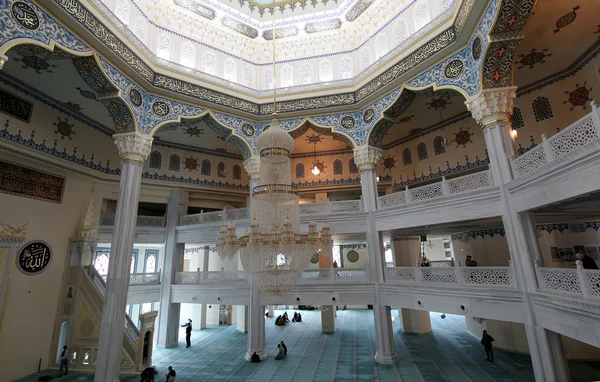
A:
{"points": [[565, 239], [487, 251]]}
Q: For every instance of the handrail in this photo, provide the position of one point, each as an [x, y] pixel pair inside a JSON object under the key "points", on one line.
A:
{"points": [[211, 278], [333, 275], [141, 221], [582, 282], [496, 277]]}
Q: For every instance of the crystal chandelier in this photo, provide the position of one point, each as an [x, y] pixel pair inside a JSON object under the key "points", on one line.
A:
{"points": [[274, 251]]}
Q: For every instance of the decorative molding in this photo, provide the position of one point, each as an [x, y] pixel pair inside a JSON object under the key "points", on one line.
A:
{"points": [[492, 105], [477, 164], [367, 157], [327, 183], [252, 166], [9, 234], [133, 146]]}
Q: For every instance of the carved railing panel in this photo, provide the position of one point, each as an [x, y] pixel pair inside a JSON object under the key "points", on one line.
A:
{"points": [[496, 276], [144, 278], [141, 221], [559, 280], [438, 275], [211, 278], [501, 277]]}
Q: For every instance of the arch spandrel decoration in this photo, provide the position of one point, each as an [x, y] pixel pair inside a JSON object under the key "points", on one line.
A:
{"points": [[400, 105]]}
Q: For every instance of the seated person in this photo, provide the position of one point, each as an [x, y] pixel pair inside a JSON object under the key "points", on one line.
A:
{"points": [[299, 318], [285, 317], [279, 321], [424, 262], [148, 374], [280, 354], [469, 262], [295, 318], [255, 358], [335, 264]]}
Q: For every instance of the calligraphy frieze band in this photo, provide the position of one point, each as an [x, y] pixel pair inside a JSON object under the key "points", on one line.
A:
{"points": [[30, 183], [15, 106]]}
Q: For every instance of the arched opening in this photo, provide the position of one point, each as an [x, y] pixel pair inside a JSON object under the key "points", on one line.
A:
{"points": [[62, 340], [146, 347]]}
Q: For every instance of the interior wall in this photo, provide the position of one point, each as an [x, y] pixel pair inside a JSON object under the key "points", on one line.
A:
{"points": [[554, 245], [488, 251], [436, 252], [406, 250]]}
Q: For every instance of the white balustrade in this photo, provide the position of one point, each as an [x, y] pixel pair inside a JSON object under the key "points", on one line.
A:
{"points": [[141, 221], [333, 275], [144, 278], [471, 182], [584, 283], [211, 278], [577, 135], [464, 276]]}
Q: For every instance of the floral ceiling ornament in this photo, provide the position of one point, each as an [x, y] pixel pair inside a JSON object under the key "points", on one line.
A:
{"points": [[314, 139], [578, 97], [64, 128], [463, 137], [438, 103], [190, 164], [389, 162], [566, 19], [532, 58], [193, 131]]}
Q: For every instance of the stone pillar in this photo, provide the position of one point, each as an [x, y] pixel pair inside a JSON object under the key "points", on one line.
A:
{"points": [[492, 108], [271, 311], [414, 321], [328, 319], [204, 269], [242, 318], [366, 158], [133, 148], [172, 262], [10, 240]]}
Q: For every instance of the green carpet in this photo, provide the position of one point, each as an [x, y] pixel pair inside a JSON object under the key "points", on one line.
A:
{"points": [[450, 353]]}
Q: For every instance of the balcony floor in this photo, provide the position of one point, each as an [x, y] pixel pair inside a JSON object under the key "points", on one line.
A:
{"points": [[450, 353]]}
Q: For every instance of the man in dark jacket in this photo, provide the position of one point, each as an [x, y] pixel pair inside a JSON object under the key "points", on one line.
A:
{"points": [[284, 348], [188, 334], [486, 341], [586, 261]]}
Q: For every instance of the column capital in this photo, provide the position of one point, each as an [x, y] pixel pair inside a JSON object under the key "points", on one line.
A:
{"points": [[492, 105], [3, 60], [133, 146], [366, 157], [252, 166]]}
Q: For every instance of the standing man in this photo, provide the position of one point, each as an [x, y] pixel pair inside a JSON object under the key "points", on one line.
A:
{"points": [[586, 261], [188, 334], [486, 341], [64, 361]]}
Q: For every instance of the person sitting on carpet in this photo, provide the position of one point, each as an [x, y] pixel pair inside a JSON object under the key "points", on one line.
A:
{"points": [[279, 321], [280, 354], [148, 374], [295, 318], [285, 317]]}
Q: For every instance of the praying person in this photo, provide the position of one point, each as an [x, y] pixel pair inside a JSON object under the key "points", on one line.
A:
{"points": [[284, 348], [295, 318], [469, 262], [280, 354], [486, 341], [148, 374], [285, 317], [171, 374], [279, 321]]}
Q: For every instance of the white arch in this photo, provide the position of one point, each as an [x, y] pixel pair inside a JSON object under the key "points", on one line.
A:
{"points": [[345, 67], [230, 70], [163, 47], [421, 15], [381, 46], [401, 31], [140, 28], [209, 65], [287, 76], [248, 77], [365, 58], [268, 79], [188, 55], [306, 73], [325, 70], [122, 11]]}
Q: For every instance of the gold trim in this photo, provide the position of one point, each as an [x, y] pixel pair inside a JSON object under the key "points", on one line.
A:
{"points": [[275, 151], [484, 125]]}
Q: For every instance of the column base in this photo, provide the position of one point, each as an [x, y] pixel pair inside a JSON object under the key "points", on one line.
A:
{"points": [[262, 355], [385, 359]]}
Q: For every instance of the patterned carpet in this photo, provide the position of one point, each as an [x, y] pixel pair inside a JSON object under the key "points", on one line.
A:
{"points": [[447, 354]]}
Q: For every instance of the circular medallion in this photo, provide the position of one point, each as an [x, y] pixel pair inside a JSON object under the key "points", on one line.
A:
{"points": [[476, 48], [454, 68], [136, 97], [348, 122], [161, 108], [86, 328], [352, 256], [315, 258], [248, 129], [34, 257], [25, 15], [368, 115]]}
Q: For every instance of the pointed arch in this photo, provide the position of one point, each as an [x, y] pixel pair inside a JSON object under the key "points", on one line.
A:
{"points": [[381, 46], [365, 59], [352, 168], [338, 168], [345, 68], [188, 55], [210, 63], [236, 172], [439, 146], [306, 73], [401, 31], [287, 76], [163, 48], [268, 79], [248, 77], [155, 160], [221, 170], [325, 70], [516, 119], [206, 167], [230, 70], [123, 11], [422, 151], [541, 109], [140, 29], [421, 15], [300, 171], [174, 162], [406, 157]]}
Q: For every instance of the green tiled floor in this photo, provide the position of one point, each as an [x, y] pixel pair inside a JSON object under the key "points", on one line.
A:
{"points": [[447, 354]]}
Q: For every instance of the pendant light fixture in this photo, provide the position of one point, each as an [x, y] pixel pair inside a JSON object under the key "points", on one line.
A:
{"points": [[315, 170]]}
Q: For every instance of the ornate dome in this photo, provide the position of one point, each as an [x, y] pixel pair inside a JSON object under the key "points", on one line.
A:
{"points": [[275, 137]]}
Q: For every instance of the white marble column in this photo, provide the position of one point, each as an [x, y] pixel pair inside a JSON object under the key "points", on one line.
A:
{"points": [[172, 262], [206, 254], [133, 148], [366, 158], [492, 109]]}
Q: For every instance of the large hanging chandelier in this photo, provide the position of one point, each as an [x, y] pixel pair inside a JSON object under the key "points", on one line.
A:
{"points": [[274, 251]]}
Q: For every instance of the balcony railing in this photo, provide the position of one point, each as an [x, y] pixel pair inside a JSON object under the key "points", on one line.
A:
{"points": [[211, 278], [334, 275], [331, 207], [497, 277], [577, 135], [141, 221], [580, 282], [215, 217], [144, 278], [446, 187]]}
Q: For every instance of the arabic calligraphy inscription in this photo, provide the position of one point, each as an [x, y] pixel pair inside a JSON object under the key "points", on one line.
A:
{"points": [[25, 15], [34, 257]]}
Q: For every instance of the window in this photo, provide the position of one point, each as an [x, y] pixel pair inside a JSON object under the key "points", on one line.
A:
{"points": [[155, 160], [146, 308], [268, 79], [345, 68], [306, 74], [438, 145], [248, 78], [337, 167], [541, 109], [516, 119], [421, 15], [150, 261], [446, 4], [352, 169], [388, 256], [365, 59], [401, 31], [209, 63], [123, 11], [230, 70], [300, 171], [406, 157], [422, 151], [325, 73], [134, 257], [237, 172], [188, 55], [205, 167], [164, 47], [221, 170], [174, 162], [382, 48], [102, 259], [140, 29], [287, 76]]}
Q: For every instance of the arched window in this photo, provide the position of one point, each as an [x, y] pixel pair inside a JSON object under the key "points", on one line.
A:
{"points": [[300, 171], [325, 71], [382, 48], [102, 260], [237, 172], [422, 151], [365, 59], [123, 11], [345, 68], [516, 119], [174, 162], [210, 64], [268, 74], [164, 47], [140, 29], [446, 4], [541, 109], [352, 169], [230, 70], [306, 74], [248, 77], [421, 15], [406, 157], [134, 257], [150, 261], [287, 76], [205, 167], [401, 31], [221, 170], [188, 55], [337, 167], [155, 160], [438, 145]]}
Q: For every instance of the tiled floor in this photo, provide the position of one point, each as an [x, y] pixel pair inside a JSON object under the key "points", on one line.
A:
{"points": [[447, 354]]}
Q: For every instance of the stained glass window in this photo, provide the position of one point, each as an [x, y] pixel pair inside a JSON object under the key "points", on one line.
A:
{"points": [[287, 76], [325, 73], [248, 78], [268, 79], [365, 59], [306, 74], [174, 162], [421, 15], [101, 263], [237, 172], [164, 47], [151, 258], [140, 29], [205, 167], [345, 68], [230, 70], [300, 171], [382, 48], [123, 11], [338, 169], [209, 63], [188, 55], [401, 31]]}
